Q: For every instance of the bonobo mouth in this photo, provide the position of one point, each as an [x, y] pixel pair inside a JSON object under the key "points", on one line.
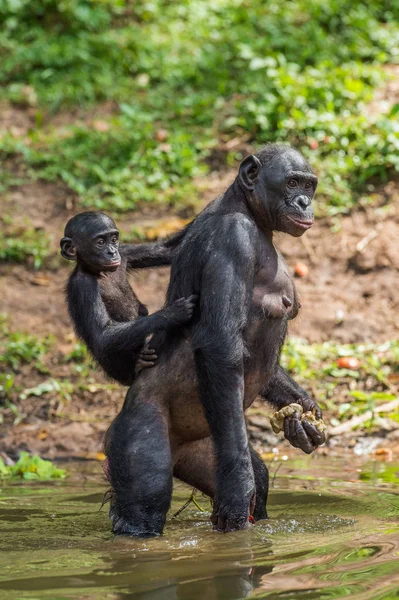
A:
{"points": [[112, 265], [302, 223]]}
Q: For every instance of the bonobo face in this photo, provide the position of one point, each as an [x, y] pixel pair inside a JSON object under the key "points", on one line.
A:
{"points": [[92, 239], [280, 192]]}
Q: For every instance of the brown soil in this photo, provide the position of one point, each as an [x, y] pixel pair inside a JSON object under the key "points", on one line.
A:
{"points": [[349, 295]]}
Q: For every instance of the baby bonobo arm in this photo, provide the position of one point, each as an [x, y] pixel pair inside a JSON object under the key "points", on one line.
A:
{"points": [[281, 391], [157, 254], [115, 345]]}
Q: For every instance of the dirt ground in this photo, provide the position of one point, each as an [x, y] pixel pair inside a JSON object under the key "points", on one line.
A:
{"points": [[349, 295]]}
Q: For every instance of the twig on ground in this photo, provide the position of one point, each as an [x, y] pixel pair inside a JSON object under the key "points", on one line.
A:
{"points": [[360, 246], [186, 504], [360, 419]]}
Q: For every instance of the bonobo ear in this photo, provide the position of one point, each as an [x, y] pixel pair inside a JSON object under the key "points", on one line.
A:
{"points": [[68, 250], [248, 173]]}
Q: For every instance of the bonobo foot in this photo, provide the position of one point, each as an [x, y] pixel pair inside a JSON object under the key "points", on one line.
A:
{"points": [[223, 520], [232, 515], [146, 526]]}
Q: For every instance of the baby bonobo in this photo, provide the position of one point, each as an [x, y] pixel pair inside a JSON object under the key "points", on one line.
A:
{"points": [[105, 311]]}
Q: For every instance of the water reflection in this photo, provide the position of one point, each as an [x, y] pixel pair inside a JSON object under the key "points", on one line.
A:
{"points": [[335, 539]]}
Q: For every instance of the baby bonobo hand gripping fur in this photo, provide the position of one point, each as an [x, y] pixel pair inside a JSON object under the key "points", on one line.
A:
{"points": [[185, 416], [104, 309]]}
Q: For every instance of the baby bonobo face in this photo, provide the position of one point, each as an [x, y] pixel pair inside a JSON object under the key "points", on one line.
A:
{"points": [[101, 252], [92, 239]]}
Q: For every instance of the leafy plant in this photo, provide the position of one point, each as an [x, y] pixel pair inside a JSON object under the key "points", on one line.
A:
{"points": [[17, 348], [31, 246], [31, 468], [186, 78], [361, 388]]}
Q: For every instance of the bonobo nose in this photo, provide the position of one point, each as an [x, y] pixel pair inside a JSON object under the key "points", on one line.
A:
{"points": [[302, 201]]}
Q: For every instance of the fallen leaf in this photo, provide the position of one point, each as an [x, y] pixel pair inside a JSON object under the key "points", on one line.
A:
{"points": [[301, 270], [165, 148], [383, 454], [164, 228], [101, 126], [161, 135], [41, 280], [348, 362], [100, 456]]}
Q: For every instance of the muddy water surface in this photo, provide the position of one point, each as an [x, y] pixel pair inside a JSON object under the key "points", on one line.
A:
{"points": [[333, 533]]}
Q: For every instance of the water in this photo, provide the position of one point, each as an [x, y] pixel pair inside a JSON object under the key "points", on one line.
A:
{"points": [[333, 533]]}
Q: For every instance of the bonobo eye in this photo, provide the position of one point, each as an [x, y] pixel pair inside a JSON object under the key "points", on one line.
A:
{"points": [[308, 185], [114, 239], [292, 183], [100, 242]]}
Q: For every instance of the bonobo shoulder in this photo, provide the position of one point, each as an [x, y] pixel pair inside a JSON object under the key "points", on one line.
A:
{"points": [[235, 227]]}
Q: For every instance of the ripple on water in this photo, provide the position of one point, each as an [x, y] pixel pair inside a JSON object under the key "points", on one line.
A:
{"points": [[319, 544]]}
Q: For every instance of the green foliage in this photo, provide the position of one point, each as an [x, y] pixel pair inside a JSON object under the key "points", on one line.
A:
{"points": [[62, 389], [81, 359], [301, 72], [30, 246], [362, 388], [381, 472], [17, 348], [31, 468]]}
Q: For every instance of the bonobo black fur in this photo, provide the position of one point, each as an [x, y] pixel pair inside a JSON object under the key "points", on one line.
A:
{"points": [[105, 311], [193, 399]]}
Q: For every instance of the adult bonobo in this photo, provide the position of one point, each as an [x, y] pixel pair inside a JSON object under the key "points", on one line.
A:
{"points": [[105, 311], [185, 417]]}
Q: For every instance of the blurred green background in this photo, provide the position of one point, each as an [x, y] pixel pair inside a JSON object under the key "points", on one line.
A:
{"points": [[180, 79]]}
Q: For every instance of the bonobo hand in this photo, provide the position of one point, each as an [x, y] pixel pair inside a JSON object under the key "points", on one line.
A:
{"points": [[302, 433], [182, 310], [309, 405], [146, 359]]}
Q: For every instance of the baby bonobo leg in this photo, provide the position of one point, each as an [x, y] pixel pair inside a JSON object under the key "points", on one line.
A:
{"points": [[139, 468], [194, 463]]}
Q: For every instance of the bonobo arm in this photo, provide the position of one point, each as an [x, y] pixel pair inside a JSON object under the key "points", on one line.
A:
{"points": [[156, 254], [117, 345], [283, 390], [225, 294]]}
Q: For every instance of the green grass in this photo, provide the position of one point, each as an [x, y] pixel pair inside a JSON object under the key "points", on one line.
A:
{"points": [[18, 348], [29, 246], [31, 468], [345, 392], [206, 72], [341, 392]]}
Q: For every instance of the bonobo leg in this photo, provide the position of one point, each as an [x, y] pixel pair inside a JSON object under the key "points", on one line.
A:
{"points": [[140, 469], [194, 463]]}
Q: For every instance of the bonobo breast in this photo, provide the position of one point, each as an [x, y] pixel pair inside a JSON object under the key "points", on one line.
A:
{"points": [[274, 295], [120, 300], [274, 302]]}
